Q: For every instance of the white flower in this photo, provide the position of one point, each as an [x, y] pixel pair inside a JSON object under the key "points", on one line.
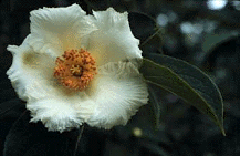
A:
{"points": [[72, 69]]}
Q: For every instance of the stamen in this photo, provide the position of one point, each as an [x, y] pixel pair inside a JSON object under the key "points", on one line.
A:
{"points": [[75, 69]]}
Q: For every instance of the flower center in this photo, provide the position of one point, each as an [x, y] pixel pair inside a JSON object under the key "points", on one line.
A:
{"points": [[75, 69]]}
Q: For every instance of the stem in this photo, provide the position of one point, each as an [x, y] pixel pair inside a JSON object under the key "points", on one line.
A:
{"points": [[78, 139]]}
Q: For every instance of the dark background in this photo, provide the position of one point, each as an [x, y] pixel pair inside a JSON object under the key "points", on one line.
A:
{"points": [[191, 30]]}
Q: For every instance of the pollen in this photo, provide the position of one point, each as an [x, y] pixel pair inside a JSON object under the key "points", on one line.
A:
{"points": [[75, 69]]}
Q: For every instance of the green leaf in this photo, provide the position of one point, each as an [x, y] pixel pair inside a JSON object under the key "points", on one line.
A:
{"points": [[186, 81], [155, 105]]}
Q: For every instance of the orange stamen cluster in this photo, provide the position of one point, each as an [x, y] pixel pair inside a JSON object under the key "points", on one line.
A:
{"points": [[75, 69]]}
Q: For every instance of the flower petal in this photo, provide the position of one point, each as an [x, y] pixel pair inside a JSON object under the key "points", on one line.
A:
{"points": [[113, 41], [118, 90], [54, 114], [59, 29]]}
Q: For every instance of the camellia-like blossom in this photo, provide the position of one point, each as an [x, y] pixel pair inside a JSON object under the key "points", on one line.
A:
{"points": [[75, 68]]}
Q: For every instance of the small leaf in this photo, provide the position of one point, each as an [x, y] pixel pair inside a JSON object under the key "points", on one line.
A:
{"points": [[186, 81], [141, 25], [145, 28]]}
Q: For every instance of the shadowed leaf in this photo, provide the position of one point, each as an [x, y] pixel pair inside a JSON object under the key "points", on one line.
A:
{"points": [[28, 139], [186, 81]]}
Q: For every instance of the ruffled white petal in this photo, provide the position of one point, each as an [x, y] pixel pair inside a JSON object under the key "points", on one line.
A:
{"points": [[29, 69], [54, 114], [15, 73], [112, 41], [57, 107], [59, 29], [118, 91], [110, 19]]}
